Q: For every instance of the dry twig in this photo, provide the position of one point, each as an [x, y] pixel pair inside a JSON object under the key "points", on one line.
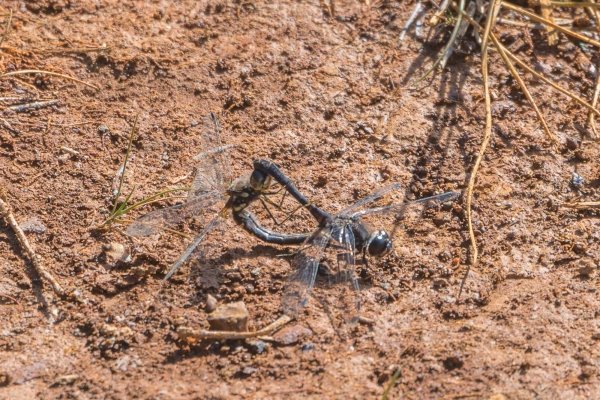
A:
{"points": [[6, 213], [185, 332], [583, 205]]}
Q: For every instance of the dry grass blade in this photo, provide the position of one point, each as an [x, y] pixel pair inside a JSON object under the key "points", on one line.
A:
{"points": [[574, 4], [450, 44], [583, 205], [36, 71], [7, 28], [521, 83], [520, 63], [494, 5], [564, 30], [391, 384], [185, 332], [590, 107]]}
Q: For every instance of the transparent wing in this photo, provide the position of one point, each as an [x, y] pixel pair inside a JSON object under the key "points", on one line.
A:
{"points": [[344, 292], [399, 209], [213, 173], [370, 198], [304, 271], [218, 220], [157, 221]]}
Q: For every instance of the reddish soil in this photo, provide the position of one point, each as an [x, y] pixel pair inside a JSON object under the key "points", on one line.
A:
{"points": [[331, 101]]}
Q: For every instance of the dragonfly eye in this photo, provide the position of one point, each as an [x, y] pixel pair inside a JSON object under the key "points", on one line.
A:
{"points": [[258, 180], [380, 244]]}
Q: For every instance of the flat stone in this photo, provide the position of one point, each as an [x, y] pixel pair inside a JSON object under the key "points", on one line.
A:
{"points": [[291, 334], [232, 317]]}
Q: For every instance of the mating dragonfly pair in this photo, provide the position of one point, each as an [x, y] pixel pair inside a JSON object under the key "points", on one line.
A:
{"points": [[214, 192]]}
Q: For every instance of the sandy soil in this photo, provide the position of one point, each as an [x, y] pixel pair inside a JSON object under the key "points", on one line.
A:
{"points": [[332, 102]]}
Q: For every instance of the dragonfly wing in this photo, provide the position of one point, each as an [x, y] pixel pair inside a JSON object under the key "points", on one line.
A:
{"points": [[304, 271], [421, 204], [158, 220], [218, 220], [213, 172], [345, 286], [370, 198]]}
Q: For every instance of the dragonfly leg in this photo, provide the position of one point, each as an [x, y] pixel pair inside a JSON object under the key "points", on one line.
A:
{"points": [[289, 214]]}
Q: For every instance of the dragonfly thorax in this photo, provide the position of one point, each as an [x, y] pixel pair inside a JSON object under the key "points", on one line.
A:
{"points": [[379, 244]]}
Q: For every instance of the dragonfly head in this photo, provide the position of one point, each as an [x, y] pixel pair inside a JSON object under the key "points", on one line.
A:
{"points": [[260, 181], [379, 244]]}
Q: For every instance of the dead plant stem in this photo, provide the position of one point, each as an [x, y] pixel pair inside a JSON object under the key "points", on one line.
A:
{"points": [[486, 137], [6, 213]]}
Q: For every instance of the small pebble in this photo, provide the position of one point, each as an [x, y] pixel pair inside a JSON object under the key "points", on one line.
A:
{"points": [[103, 129], [577, 180], [306, 347], [257, 346], [211, 303]]}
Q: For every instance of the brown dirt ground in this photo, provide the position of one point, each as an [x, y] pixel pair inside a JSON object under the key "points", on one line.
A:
{"points": [[292, 85]]}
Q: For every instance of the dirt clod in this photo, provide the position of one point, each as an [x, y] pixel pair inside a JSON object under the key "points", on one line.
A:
{"points": [[232, 317]]}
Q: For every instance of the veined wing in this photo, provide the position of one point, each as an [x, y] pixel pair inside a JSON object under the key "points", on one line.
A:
{"points": [[304, 271], [216, 221], [213, 173], [370, 198], [423, 204], [158, 220], [344, 291]]}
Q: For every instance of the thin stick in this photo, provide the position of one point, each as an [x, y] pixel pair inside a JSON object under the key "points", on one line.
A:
{"points": [[185, 332], [520, 63], [75, 50], [487, 135], [583, 205], [518, 78], [7, 28], [9, 297], [590, 107], [574, 4], [591, 121], [37, 71], [411, 19], [564, 30], [33, 106], [6, 213]]}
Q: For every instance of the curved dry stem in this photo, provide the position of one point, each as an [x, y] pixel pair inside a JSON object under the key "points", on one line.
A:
{"points": [[495, 4], [37, 71]]}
